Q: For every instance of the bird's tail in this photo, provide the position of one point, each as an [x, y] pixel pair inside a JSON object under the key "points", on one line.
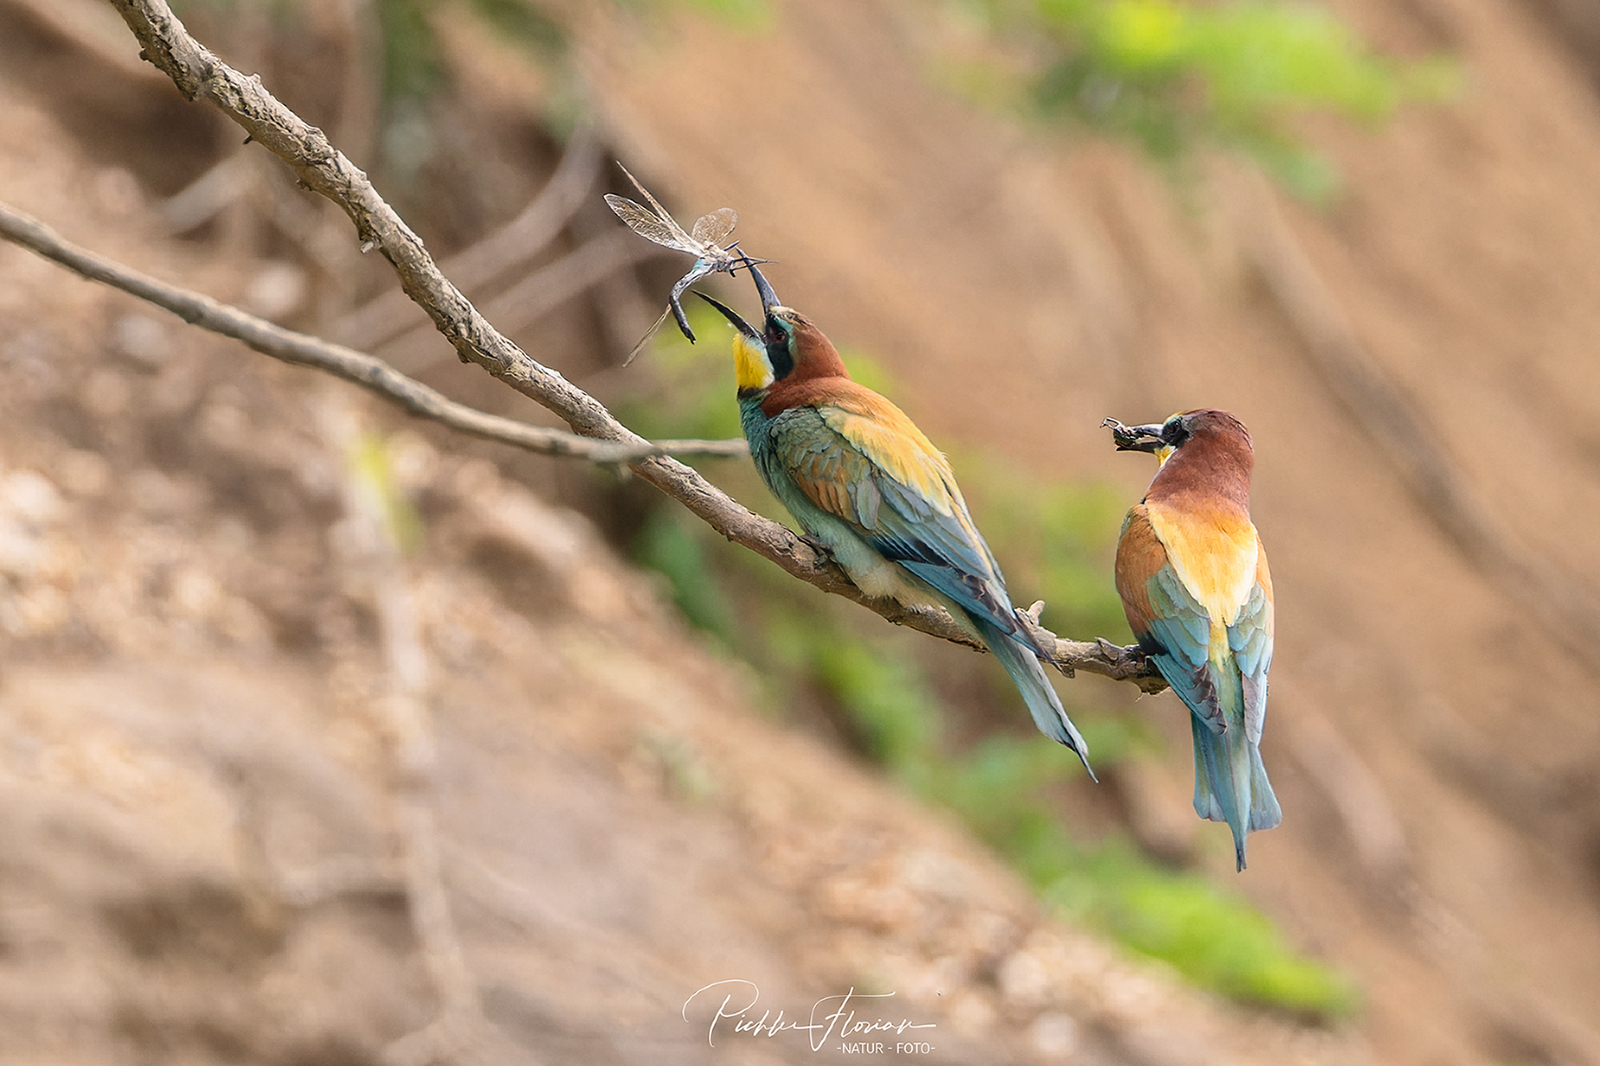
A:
{"points": [[1037, 692], [1230, 780]]}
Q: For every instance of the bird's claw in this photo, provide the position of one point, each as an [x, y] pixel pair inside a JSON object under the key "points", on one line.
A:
{"points": [[816, 545]]}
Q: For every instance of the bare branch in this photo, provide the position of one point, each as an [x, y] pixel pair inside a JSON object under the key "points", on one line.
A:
{"points": [[354, 366], [320, 167], [1099, 656]]}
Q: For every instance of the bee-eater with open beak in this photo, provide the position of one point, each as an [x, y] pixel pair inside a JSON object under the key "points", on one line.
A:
{"points": [[864, 481], [1194, 584]]}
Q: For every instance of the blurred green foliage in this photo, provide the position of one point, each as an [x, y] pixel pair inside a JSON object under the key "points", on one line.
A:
{"points": [[1174, 75], [525, 24], [1213, 937], [1216, 939], [1058, 540], [750, 13], [413, 68], [1055, 538], [369, 464], [670, 546]]}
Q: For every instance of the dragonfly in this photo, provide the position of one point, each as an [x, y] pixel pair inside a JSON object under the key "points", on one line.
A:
{"points": [[703, 240]]}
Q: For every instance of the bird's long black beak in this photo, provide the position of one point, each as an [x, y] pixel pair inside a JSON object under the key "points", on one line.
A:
{"points": [[769, 299], [1134, 438], [733, 316]]}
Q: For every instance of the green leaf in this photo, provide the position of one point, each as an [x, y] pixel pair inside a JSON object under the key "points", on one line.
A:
{"points": [[1175, 76]]}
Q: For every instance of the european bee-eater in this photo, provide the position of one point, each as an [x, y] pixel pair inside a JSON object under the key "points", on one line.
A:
{"points": [[1194, 583], [864, 481]]}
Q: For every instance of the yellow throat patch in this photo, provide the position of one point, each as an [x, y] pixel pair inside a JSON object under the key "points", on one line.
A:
{"points": [[752, 368]]}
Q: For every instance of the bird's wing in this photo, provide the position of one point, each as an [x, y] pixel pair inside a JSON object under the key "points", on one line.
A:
{"points": [[1250, 638], [1166, 617], [860, 459]]}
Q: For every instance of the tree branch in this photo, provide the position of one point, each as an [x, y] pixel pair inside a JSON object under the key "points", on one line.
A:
{"points": [[358, 367], [320, 167]]}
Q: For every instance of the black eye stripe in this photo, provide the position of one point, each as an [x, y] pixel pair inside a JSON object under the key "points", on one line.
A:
{"points": [[778, 353], [782, 362]]}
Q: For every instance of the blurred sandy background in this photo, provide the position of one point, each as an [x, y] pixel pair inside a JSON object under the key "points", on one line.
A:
{"points": [[202, 835]]}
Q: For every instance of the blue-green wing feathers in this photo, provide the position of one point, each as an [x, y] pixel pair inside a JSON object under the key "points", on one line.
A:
{"points": [[924, 527], [1182, 629], [1250, 640]]}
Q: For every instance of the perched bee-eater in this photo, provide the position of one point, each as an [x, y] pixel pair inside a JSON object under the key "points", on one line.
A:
{"points": [[1194, 583], [863, 480]]}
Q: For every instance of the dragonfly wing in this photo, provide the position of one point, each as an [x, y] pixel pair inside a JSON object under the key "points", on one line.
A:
{"points": [[656, 224], [649, 226], [683, 241], [637, 184], [714, 228]]}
